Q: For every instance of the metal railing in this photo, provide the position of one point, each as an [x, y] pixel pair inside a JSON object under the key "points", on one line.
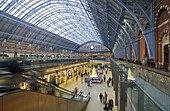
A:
{"points": [[155, 83], [29, 82]]}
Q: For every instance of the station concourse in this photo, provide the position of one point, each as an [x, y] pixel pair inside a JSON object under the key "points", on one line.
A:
{"points": [[94, 103], [50, 47]]}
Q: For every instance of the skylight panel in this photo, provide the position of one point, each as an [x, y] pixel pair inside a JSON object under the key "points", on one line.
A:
{"points": [[35, 3], [4, 3], [67, 18], [14, 9]]}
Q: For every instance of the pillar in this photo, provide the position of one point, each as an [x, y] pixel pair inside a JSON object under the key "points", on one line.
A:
{"points": [[66, 75], [159, 53], [169, 57], [140, 106], [123, 96], [116, 86]]}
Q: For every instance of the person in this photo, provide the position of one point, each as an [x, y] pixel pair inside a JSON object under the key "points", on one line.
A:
{"points": [[53, 80], [101, 97], [51, 90], [81, 78], [89, 82], [110, 104], [108, 82], [105, 98], [75, 90], [106, 107], [110, 79], [104, 78], [77, 77]]}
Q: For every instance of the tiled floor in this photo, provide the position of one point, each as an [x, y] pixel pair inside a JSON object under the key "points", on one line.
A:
{"points": [[94, 103]]}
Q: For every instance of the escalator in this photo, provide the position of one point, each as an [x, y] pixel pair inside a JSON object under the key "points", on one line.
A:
{"points": [[23, 92]]}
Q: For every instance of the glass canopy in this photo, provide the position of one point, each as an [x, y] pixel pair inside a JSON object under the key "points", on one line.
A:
{"points": [[93, 47], [66, 18]]}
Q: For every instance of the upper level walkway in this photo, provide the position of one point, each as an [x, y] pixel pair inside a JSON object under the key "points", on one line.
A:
{"points": [[94, 103]]}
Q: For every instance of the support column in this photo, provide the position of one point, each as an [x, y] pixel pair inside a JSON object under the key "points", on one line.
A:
{"points": [[135, 50], [66, 75], [156, 48], [4, 44], [169, 57], [57, 78], [113, 74], [159, 53], [123, 96], [140, 106], [116, 87]]}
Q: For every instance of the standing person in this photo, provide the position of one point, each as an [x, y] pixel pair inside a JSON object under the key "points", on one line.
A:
{"points": [[104, 78], [101, 97], [53, 80], [89, 81], [75, 90], [81, 78]]}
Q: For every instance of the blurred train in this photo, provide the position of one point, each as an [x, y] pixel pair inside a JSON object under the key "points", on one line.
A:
{"points": [[24, 62]]}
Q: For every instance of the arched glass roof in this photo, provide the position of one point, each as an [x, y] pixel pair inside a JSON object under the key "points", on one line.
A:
{"points": [[69, 24], [66, 18], [92, 46]]}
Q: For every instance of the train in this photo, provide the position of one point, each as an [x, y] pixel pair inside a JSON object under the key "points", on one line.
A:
{"points": [[20, 64]]}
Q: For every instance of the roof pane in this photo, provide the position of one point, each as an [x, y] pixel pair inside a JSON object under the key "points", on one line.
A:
{"points": [[4, 3], [66, 18]]}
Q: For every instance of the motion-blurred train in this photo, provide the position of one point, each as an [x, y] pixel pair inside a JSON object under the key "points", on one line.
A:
{"points": [[23, 62]]}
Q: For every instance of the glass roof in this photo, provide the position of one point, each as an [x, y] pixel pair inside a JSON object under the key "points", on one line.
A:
{"points": [[66, 18], [93, 47]]}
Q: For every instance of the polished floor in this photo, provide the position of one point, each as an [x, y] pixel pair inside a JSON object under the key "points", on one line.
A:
{"points": [[94, 103]]}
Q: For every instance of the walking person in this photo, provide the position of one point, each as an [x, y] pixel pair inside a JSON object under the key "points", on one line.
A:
{"points": [[101, 97], [106, 71], [77, 77], [108, 82], [106, 107], [81, 78], [104, 78], [105, 98], [111, 104]]}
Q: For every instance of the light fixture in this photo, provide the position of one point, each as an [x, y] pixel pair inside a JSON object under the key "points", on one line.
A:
{"points": [[91, 47]]}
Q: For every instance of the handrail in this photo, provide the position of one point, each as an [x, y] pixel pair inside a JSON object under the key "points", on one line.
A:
{"points": [[42, 82], [160, 76], [153, 83], [161, 72]]}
